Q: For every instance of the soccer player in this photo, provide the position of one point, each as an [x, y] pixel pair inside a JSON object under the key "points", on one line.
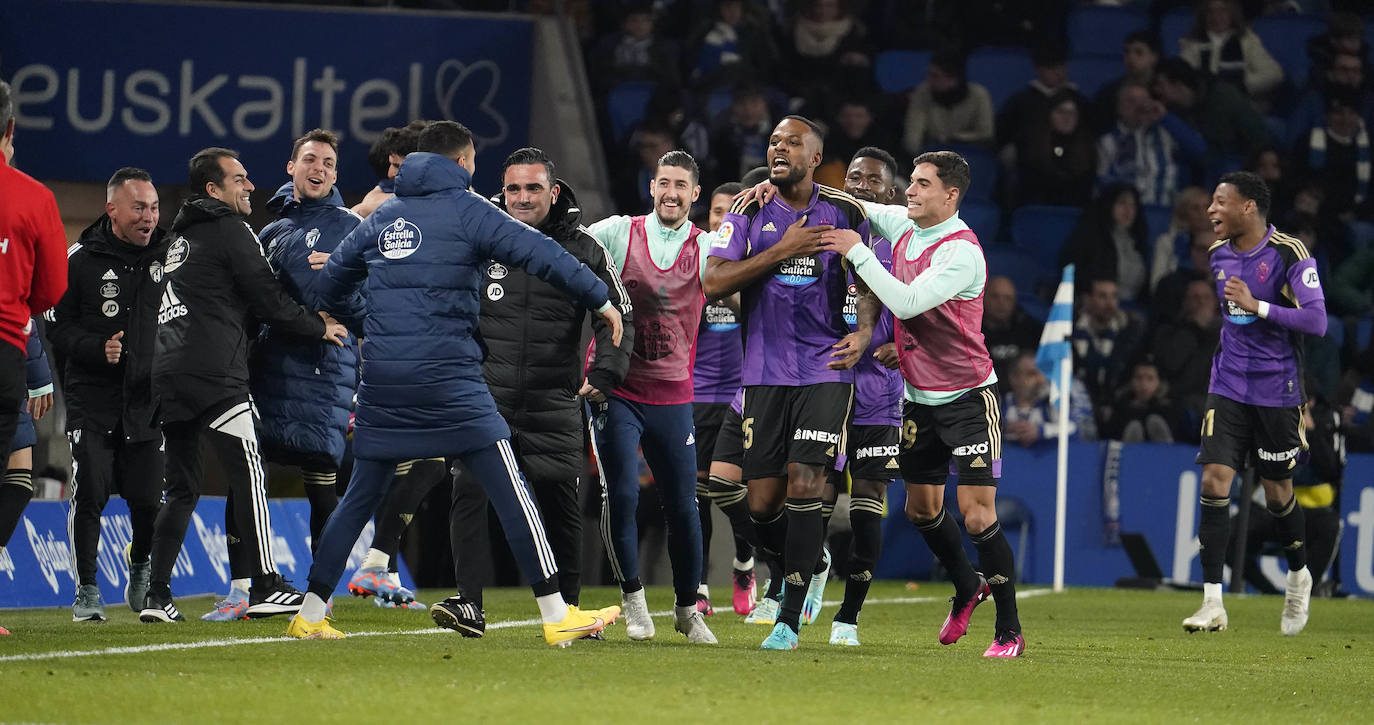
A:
{"points": [[874, 433], [951, 414], [422, 393], [1270, 297], [661, 257], [104, 331], [798, 356]]}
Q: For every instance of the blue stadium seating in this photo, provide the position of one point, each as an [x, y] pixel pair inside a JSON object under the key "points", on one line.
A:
{"points": [[1174, 25], [898, 71], [1031, 276], [983, 217], [1090, 73], [1102, 30], [625, 106], [1157, 220], [1335, 330], [717, 102], [1042, 230], [1285, 37], [1003, 71], [1364, 331]]}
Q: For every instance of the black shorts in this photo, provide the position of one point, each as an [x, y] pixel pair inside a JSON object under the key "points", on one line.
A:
{"points": [[871, 455], [706, 418], [962, 437], [787, 424], [730, 439], [1240, 435]]}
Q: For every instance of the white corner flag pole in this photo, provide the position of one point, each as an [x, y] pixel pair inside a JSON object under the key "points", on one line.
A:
{"points": [[1061, 484]]}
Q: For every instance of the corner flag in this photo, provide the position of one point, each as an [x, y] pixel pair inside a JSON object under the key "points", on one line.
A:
{"points": [[1055, 350]]}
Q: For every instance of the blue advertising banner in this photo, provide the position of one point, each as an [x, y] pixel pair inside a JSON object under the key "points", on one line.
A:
{"points": [[1157, 488], [100, 85], [36, 569]]}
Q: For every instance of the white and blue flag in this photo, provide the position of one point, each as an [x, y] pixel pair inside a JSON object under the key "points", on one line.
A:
{"points": [[1055, 350]]}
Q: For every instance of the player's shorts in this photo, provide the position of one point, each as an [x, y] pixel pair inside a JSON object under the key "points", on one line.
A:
{"points": [[1240, 435], [794, 424], [962, 437], [707, 419], [730, 439], [871, 455]]}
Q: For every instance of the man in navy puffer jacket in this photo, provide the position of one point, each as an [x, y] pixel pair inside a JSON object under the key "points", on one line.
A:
{"points": [[422, 394]]}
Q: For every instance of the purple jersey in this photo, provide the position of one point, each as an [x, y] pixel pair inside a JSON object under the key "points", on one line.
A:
{"points": [[877, 390], [720, 355], [1259, 362], [793, 315]]}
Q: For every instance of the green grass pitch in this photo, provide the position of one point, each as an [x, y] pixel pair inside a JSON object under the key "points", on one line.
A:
{"points": [[1092, 656]]}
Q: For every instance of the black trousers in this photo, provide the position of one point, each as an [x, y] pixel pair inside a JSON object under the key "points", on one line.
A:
{"points": [[13, 392], [228, 429], [104, 464]]}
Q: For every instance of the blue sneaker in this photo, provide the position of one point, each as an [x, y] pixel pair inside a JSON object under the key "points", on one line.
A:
{"points": [[233, 607], [782, 637], [815, 593]]}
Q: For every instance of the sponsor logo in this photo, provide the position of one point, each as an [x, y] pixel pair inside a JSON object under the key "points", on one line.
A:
{"points": [[177, 252], [109, 308], [972, 449], [769, 227], [691, 439], [798, 271], [1288, 455], [862, 576], [978, 463], [1221, 274], [53, 555], [1310, 279], [155, 271], [892, 463], [171, 307], [109, 275], [497, 271], [6, 564], [495, 292], [720, 318], [109, 290], [795, 579], [875, 452], [312, 237], [399, 239], [1238, 316], [806, 434], [723, 235]]}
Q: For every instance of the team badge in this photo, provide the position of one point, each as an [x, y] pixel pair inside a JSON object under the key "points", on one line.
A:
{"points": [[155, 271], [1262, 271], [311, 238]]}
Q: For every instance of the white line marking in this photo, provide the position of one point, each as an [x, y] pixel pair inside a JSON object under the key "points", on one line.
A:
{"points": [[201, 644]]}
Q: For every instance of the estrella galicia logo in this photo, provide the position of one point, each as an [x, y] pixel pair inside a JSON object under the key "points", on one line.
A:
{"points": [[1238, 316], [399, 239], [798, 271], [720, 318], [177, 252]]}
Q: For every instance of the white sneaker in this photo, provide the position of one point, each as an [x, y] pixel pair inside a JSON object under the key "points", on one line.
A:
{"points": [[1297, 602], [691, 623], [638, 624], [1211, 618]]}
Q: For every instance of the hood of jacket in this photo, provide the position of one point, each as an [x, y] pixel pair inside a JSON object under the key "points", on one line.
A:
{"points": [[564, 216], [199, 209], [424, 173], [284, 202], [100, 237]]}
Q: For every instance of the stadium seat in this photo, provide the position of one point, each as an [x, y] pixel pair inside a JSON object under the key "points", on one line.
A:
{"points": [[1157, 220], [1285, 36], [1003, 71], [1090, 73], [1364, 330], [898, 71], [1174, 25], [625, 106], [1031, 276], [1102, 30], [1042, 230], [983, 217], [1335, 330]]}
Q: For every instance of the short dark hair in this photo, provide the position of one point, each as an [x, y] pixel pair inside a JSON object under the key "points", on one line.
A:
{"points": [[378, 158], [729, 187], [128, 173], [317, 135], [873, 152], [1250, 186], [446, 138], [682, 160], [1147, 38], [6, 106], [951, 168], [1178, 70], [205, 168], [816, 128], [529, 155], [754, 176]]}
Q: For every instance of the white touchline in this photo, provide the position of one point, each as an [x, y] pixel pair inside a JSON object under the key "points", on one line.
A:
{"points": [[204, 643]]}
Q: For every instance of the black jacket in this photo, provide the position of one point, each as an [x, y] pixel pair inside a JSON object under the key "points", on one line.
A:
{"points": [[533, 336], [112, 286], [218, 286]]}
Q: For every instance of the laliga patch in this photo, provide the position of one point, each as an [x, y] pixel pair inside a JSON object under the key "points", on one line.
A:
{"points": [[399, 239], [497, 271], [723, 235], [177, 253], [1309, 278], [109, 308], [495, 292]]}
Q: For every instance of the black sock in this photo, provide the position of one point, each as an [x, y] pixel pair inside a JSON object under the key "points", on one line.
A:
{"points": [[142, 517], [804, 537], [704, 514], [1213, 530], [15, 492], [732, 498], [772, 534], [866, 519], [775, 576], [630, 586], [414, 480], [1292, 528], [999, 566], [945, 540], [827, 511], [319, 491]]}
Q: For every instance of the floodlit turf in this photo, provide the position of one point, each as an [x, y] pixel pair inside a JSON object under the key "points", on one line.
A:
{"points": [[1092, 655]]}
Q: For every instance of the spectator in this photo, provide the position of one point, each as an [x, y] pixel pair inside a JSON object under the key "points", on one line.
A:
{"points": [[1027, 112], [1139, 57], [1344, 34], [829, 51], [1189, 226], [1357, 415], [649, 143], [1028, 416], [1338, 154], [1224, 47], [1351, 289], [1228, 122], [947, 109], [1105, 339], [635, 53], [1269, 164], [1142, 148], [740, 143], [732, 48], [854, 128], [1345, 74], [1183, 347], [1057, 162], [1142, 411], [1008, 331], [1109, 243]]}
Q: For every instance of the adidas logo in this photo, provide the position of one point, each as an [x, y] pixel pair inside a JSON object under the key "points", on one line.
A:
{"points": [[769, 227], [795, 579], [892, 463], [405, 518], [282, 598], [109, 274], [862, 576], [978, 463], [1221, 274], [171, 307], [691, 439]]}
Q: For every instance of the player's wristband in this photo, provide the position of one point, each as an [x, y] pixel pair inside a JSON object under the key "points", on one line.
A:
{"points": [[1263, 310]]}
